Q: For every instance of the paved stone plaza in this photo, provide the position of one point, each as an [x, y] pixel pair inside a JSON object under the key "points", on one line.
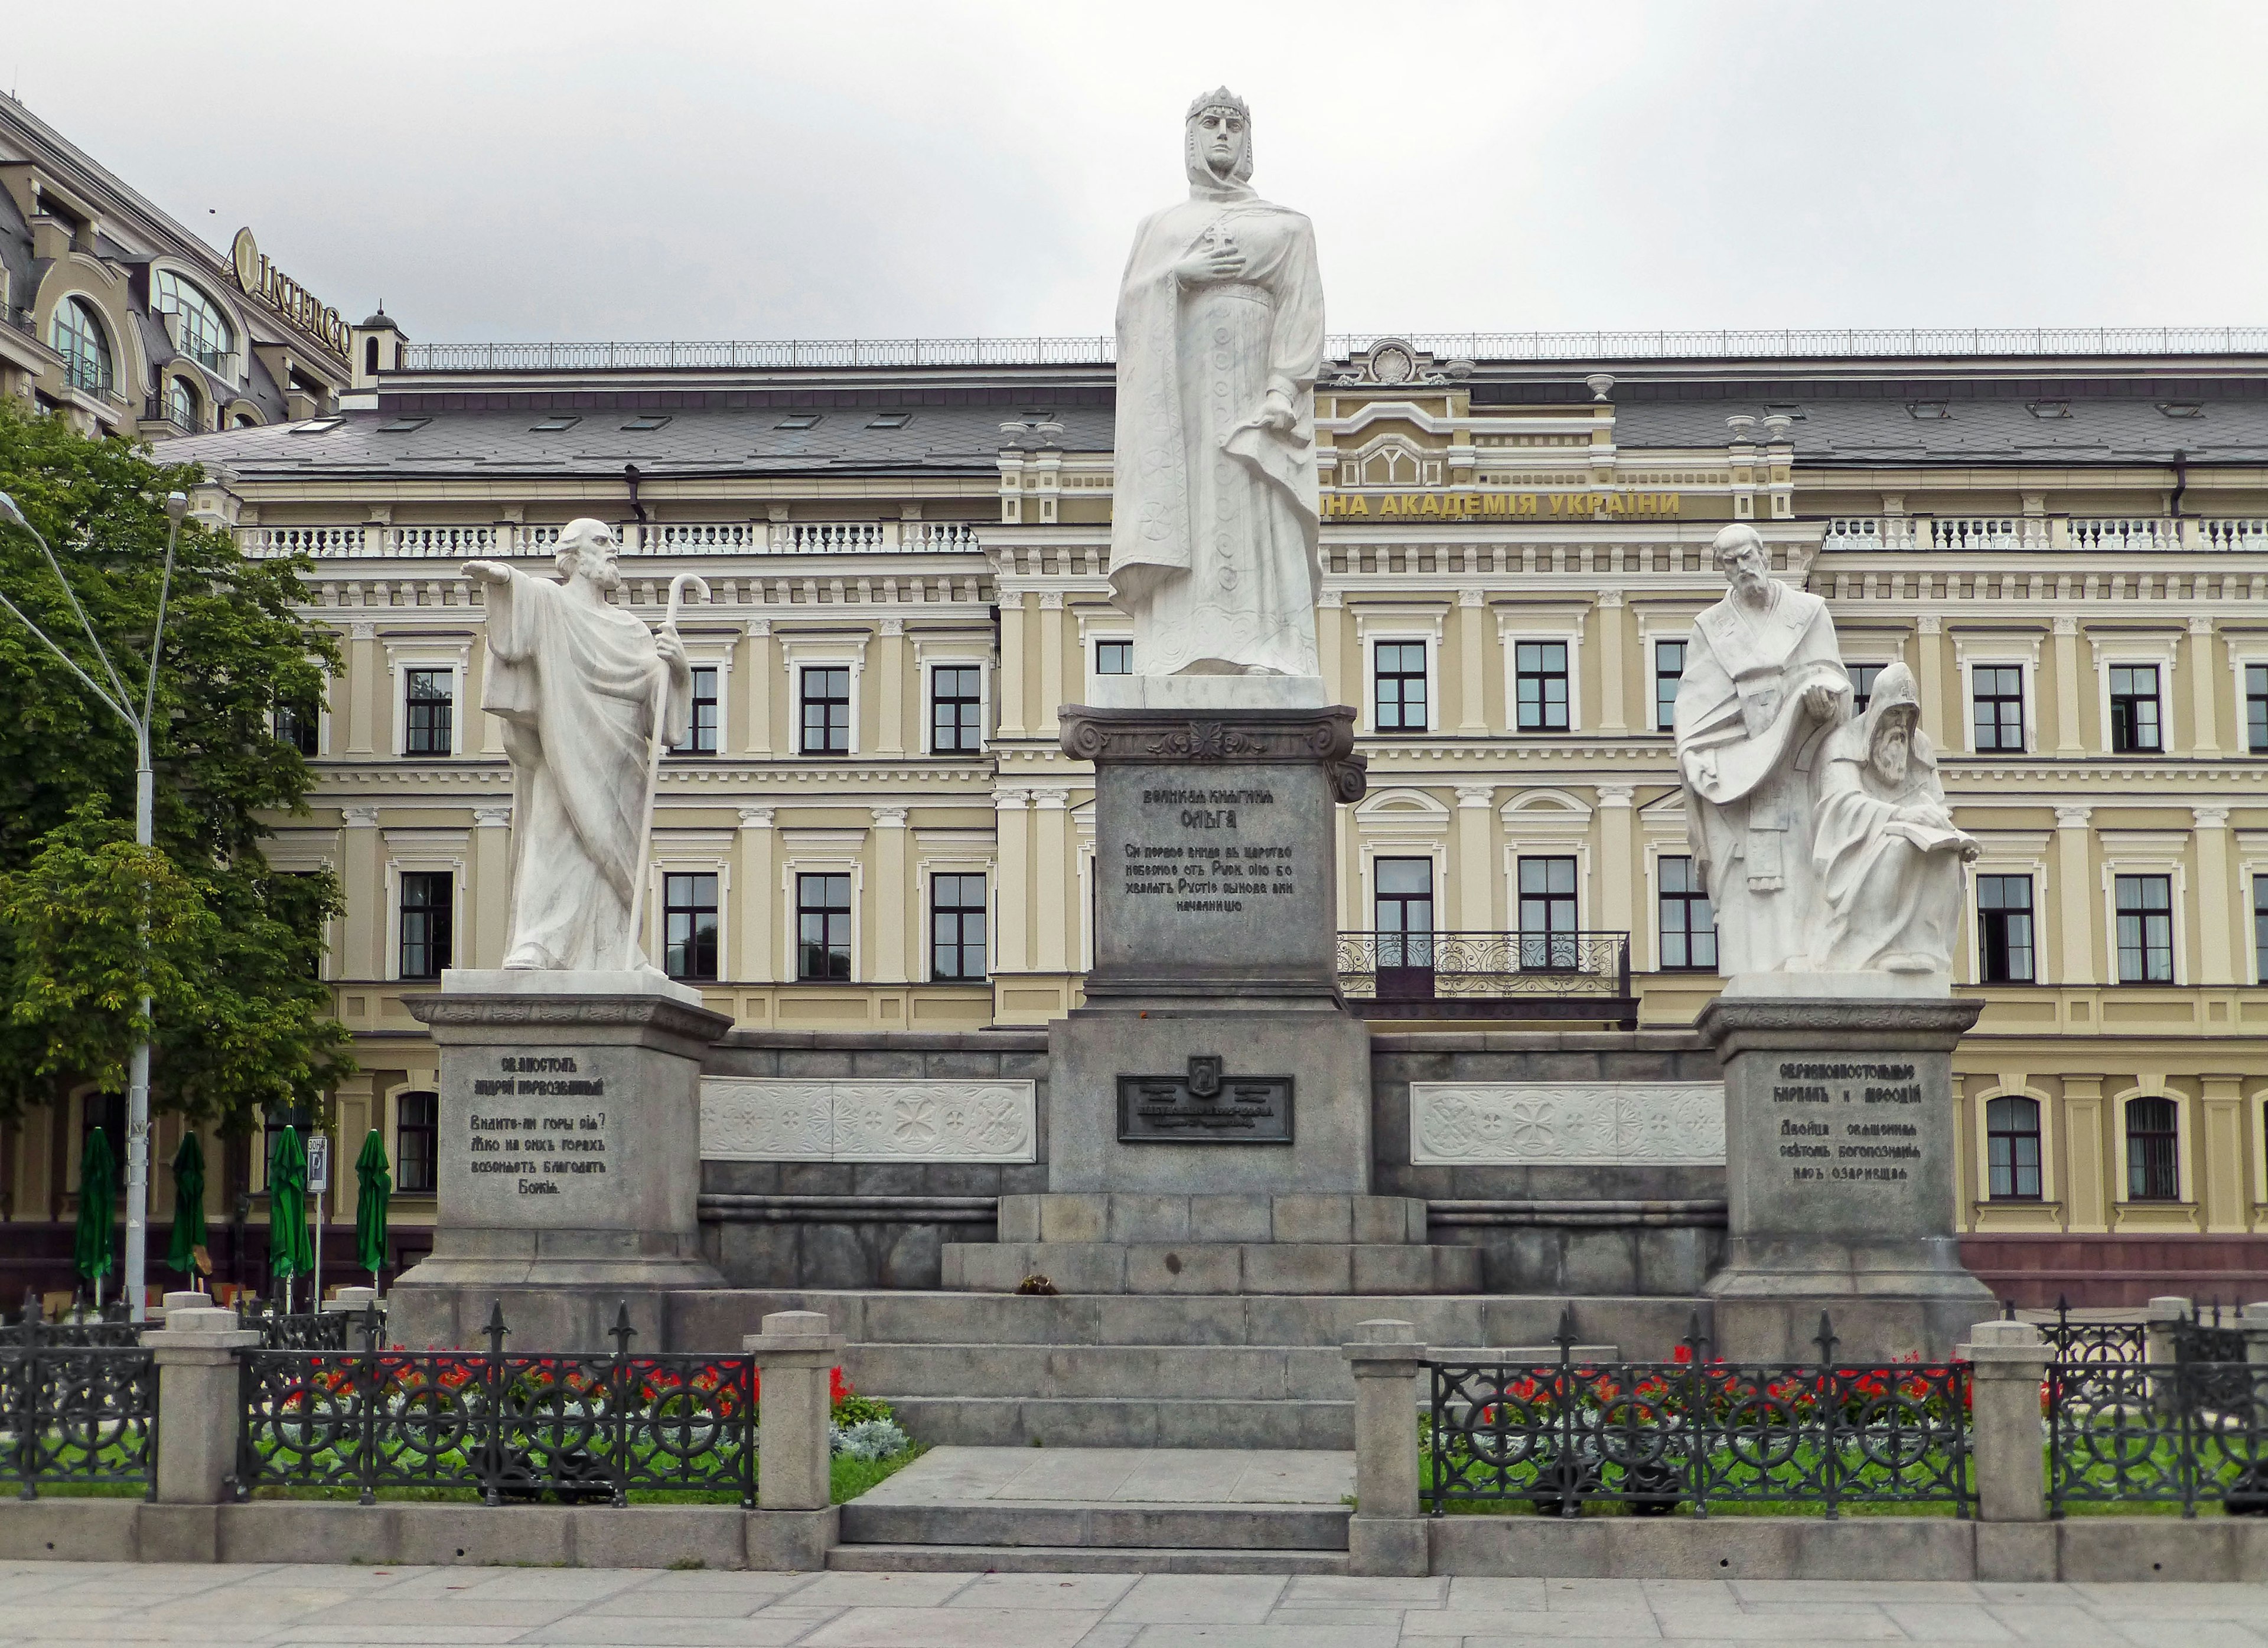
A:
{"points": [[55, 1602]]}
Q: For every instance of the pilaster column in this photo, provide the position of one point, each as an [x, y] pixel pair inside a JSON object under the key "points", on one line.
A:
{"points": [[890, 686], [1618, 876], [1612, 716], [1330, 608], [1051, 674], [1929, 673], [750, 942], [361, 877], [2217, 911], [2223, 1165], [1051, 870], [2205, 694], [1012, 683], [1475, 878], [756, 671], [1472, 679], [2075, 900], [365, 687], [2067, 683], [2087, 1184], [890, 912], [489, 897], [1011, 950]]}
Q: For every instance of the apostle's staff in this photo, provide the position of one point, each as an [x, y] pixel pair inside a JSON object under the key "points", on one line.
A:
{"points": [[677, 587]]}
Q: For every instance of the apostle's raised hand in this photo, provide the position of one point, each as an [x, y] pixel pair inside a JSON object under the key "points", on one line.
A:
{"points": [[487, 571]]}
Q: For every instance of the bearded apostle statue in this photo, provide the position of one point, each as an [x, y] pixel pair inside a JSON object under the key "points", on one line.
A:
{"points": [[1764, 684], [582, 687], [1220, 330], [1888, 853]]}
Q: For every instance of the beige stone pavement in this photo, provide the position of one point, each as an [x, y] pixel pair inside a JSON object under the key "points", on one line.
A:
{"points": [[119, 1602]]}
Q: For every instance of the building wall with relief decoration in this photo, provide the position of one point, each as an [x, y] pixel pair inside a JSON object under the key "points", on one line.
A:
{"points": [[907, 573]]}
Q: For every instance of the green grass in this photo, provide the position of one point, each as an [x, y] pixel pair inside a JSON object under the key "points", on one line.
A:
{"points": [[853, 1477], [849, 1478]]}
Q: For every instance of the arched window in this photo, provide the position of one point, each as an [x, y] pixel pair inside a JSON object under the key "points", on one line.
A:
{"points": [[2154, 1138], [2011, 1136], [370, 357], [244, 420], [205, 335], [181, 404], [79, 337]]}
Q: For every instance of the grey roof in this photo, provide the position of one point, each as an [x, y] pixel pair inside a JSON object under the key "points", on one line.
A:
{"points": [[1998, 427]]}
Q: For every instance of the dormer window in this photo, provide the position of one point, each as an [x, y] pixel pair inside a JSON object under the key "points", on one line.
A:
{"points": [[79, 337], [1929, 411], [647, 421], [798, 421], [889, 420], [206, 336], [553, 426]]}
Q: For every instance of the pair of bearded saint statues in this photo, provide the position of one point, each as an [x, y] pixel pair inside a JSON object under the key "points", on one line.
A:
{"points": [[1824, 838]]}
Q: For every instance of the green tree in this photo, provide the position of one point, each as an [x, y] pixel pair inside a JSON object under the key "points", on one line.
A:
{"points": [[233, 948]]}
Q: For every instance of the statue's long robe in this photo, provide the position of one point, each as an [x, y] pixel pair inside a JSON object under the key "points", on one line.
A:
{"points": [[1214, 523], [1745, 749], [577, 685], [1884, 895]]}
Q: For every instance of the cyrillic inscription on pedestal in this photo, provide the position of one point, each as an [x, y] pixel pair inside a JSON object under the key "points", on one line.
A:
{"points": [[542, 1123], [1204, 1107], [1849, 1123]]}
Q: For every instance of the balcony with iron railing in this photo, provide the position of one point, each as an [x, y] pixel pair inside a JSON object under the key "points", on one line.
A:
{"points": [[2083, 533], [1501, 976], [759, 537]]}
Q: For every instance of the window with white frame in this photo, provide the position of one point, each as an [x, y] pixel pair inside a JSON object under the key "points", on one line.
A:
{"points": [[826, 706], [2135, 713], [2260, 928], [689, 914], [708, 720], [957, 928], [1113, 658], [298, 722], [956, 709], [1668, 670], [1996, 701], [2154, 1149], [1689, 924], [822, 921], [1863, 677], [2012, 1148], [429, 702], [1401, 694], [1547, 914], [427, 922], [2256, 709], [2144, 909], [2003, 929], [1540, 685]]}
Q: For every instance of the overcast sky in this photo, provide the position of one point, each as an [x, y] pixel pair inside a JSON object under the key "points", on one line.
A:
{"points": [[645, 171]]}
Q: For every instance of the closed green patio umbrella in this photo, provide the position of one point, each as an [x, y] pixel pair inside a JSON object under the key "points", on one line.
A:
{"points": [[291, 1252], [373, 1187], [189, 1206], [92, 1255]]}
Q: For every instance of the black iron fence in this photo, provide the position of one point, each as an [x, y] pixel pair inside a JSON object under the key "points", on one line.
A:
{"points": [[1479, 967], [592, 1428], [108, 1327], [76, 1413], [2184, 1432], [305, 1330], [1694, 1432]]}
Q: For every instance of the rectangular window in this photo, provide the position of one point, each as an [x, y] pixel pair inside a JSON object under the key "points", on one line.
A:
{"points": [[1540, 678], [2004, 928], [1863, 677], [1668, 670], [826, 711], [689, 914], [2154, 1149], [2260, 928], [1996, 694], [297, 725], [956, 710], [1113, 658], [1547, 914], [417, 1137], [2146, 928], [822, 923], [956, 927], [2256, 708], [2012, 1137], [708, 717], [1402, 911], [426, 940], [429, 704], [1689, 926], [2134, 709], [1400, 686]]}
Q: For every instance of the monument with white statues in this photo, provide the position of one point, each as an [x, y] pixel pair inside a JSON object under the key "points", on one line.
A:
{"points": [[1837, 872], [568, 1165]]}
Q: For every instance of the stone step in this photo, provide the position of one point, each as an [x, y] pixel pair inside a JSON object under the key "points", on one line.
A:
{"points": [[1078, 1559], [1122, 1216], [1126, 1422], [1261, 1372], [1341, 1269], [1645, 1327], [1176, 1526]]}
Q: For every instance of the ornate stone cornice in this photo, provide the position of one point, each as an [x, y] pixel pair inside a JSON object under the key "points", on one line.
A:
{"points": [[670, 1017], [1152, 736], [1859, 1024]]}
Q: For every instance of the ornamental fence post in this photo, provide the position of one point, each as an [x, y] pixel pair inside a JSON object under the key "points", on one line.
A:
{"points": [[2162, 1315], [794, 1356], [200, 1398], [1385, 1536], [2254, 1325], [2007, 1362]]}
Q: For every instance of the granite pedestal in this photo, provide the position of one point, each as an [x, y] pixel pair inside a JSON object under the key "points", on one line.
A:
{"points": [[568, 1160], [1839, 1167]]}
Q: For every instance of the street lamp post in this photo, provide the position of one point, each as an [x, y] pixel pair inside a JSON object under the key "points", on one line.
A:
{"points": [[138, 1084]]}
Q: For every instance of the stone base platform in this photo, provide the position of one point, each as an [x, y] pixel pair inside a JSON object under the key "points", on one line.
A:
{"points": [[1203, 1267]]}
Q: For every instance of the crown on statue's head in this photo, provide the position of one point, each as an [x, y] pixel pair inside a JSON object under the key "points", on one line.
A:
{"points": [[1219, 98]]}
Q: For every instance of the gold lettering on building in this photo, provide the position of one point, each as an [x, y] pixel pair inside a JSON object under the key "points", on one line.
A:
{"points": [[1502, 505]]}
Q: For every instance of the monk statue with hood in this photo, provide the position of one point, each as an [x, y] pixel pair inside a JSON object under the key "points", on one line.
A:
{"points": [[1220, 330], [579, 685], [1887, 853]]}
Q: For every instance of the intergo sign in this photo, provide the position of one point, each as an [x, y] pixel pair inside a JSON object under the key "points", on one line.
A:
{"points": [[280, 292]]}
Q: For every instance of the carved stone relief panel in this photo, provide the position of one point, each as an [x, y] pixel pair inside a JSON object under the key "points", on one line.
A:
{"points": [[1570, 1124], [771, 1119]]}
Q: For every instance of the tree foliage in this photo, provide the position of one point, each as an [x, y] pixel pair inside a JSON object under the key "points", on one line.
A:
{"points": [[235, 948]]}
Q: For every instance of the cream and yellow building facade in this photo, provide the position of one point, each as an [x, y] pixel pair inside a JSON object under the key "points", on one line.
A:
{"points": [[906, 564]]}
